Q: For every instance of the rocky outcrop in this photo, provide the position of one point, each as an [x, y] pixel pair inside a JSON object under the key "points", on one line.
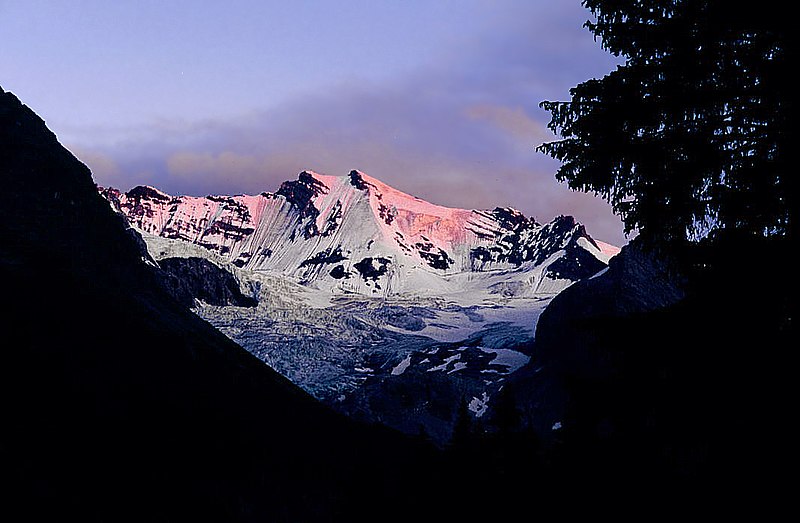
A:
{"points": [[575, 334], [635, 282], [190, 279]]}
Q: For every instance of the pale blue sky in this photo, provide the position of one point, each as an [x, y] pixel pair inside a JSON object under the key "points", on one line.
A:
{"points": [[438, 98]]}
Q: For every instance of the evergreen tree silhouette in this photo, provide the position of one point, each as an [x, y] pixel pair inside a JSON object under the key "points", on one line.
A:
{"points": [[506, 416], [688, 138], [463, 433]]}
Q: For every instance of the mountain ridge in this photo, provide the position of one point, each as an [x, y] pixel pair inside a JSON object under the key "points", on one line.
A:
{"points": [[354, 233]]}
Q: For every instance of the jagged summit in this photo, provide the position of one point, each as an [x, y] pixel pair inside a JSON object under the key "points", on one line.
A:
{"points": [[357, 234]]}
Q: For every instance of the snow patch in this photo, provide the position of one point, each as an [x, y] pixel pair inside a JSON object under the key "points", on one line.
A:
{"points": [[457, 367], [479, 405], [446, 362], [402, 366], [508, 358]]}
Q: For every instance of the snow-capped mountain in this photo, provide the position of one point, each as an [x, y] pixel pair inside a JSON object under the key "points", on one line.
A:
{"points": [[355, 234], [383, 305]]}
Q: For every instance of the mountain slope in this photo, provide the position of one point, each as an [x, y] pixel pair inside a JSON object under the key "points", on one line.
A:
{"points": [[120, 404], [661, 373]]}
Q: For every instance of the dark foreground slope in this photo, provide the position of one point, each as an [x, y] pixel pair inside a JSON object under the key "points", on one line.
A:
{"points": [[119, 404], [672, 390]]}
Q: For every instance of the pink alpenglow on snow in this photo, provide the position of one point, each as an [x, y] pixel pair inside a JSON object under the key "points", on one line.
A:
{"points": [[607, 249], [356, 234]]}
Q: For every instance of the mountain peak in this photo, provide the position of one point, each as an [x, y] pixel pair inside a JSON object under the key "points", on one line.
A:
{"points": [[148, 191], [356, 234], [307, 175], [357, 180]]}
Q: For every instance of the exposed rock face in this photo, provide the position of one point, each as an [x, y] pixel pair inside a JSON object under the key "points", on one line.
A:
{"points": [[189, 279], [573, 329], [422, 390], [635, 282]]}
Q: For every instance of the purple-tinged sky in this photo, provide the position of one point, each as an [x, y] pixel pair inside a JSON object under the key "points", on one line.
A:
{"points": [[436, 98]]}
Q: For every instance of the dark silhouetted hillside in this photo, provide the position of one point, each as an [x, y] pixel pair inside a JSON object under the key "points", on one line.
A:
{"points": [[118, 404], [670, 387]]}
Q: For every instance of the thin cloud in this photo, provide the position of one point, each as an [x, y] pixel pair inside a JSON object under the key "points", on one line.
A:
{"points": [[513, 120], [461, 134]]}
